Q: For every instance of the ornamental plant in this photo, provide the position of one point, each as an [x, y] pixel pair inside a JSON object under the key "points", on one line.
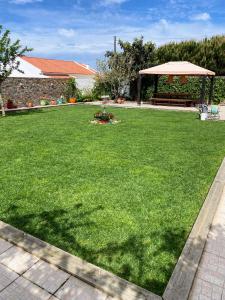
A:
{"points": [[103, 116]]}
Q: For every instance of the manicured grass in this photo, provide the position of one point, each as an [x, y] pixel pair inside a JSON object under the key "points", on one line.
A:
{"points": [[123, 197]]}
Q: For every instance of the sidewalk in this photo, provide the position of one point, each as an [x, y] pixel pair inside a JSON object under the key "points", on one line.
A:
{"points": [[209, 281]]}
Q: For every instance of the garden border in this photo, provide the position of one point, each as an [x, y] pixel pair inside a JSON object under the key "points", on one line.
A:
{"points": [[180, 283]]}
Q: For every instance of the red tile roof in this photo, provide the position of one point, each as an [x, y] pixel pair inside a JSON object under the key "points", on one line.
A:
{"points": [[58, 68]]}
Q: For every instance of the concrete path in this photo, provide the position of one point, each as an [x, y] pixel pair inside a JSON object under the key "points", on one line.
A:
{"points": [[132, 104], [25, 277], [209, 282]]}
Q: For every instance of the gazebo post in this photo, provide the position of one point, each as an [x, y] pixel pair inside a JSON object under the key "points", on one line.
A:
{"points": [[139, 89], [156, 81], [211, 90], [202, 96]]}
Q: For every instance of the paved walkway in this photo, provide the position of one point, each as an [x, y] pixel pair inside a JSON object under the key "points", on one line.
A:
{"points": [[132, 104], [209, 282], [25, 277]]}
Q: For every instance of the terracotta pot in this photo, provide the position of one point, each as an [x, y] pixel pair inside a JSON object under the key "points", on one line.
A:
{"points": [[53, 102], [29, 104], [10, 104], [72, 100], [120, 100]]}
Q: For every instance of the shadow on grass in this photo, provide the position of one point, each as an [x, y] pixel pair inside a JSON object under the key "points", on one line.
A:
{"points": [[57, 227], [24, 112]]}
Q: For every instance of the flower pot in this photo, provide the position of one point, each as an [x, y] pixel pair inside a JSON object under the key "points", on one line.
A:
{"points": [[29, 104], [203, 116], [53, 102], [42, 102], [10, 104], [72, 100], [59, 101]]}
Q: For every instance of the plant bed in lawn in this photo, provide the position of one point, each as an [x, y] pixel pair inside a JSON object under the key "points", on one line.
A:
{"points": [[122, 197]]}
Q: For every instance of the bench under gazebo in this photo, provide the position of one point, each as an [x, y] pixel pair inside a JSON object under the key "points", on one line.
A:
{"points": [[183, 69]]}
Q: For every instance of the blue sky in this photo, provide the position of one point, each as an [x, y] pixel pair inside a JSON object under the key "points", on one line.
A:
{"points": [[83, 29]]}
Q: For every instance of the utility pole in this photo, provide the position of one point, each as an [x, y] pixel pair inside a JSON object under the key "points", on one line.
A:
{"points": [[115, 42]]}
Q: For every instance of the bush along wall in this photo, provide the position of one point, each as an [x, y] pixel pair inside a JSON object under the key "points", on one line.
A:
{"points": [[193, 87]]}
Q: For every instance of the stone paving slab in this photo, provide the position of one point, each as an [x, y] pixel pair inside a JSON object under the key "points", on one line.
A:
{"points": [[205, 290], [17, 259], [209, 282], [46, 276], [4, 245], [7, 276], [23, 289], [77, 289]]}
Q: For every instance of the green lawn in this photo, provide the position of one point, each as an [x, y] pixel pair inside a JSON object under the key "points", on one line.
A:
{"points": [[123, 197]]}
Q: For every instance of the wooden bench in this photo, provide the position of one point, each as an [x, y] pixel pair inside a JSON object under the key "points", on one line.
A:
{"points": [[35, 107], [186, 102]]}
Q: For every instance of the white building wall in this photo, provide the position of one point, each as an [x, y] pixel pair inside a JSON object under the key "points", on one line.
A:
{"points": [[85, 82], [29, 70]]}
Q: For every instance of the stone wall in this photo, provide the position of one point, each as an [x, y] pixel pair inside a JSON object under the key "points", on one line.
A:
{"points": [[20, 90]]}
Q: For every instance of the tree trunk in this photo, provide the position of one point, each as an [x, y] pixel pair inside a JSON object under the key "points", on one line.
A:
{"points": [[1, 101]]}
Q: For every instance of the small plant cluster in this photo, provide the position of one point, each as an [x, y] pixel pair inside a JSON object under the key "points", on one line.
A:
{"points": [[103, 116]]}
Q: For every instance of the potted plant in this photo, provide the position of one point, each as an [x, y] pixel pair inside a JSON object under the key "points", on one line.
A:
{"points": [[103, 117], [42, 102], [29, 103], [53, 102], [10, 104], [60, 100], [71, 91], [120, 100]]}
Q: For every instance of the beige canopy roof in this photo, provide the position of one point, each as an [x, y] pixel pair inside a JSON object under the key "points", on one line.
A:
{"points": [[178, 68]]}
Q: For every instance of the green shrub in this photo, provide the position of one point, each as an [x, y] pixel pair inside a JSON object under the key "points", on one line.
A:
{"points": [[71, 89], [193, 87]]}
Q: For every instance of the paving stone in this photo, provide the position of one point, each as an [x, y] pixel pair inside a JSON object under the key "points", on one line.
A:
{"points": [[79, 290], [207, 291], [211, 276], [17, 259], [4, 245], [23, 289], [7, 276], [46, 276]]}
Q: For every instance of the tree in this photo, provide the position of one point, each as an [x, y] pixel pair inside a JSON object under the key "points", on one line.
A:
{"points": [[112, 75], [208, 53], [9, 52], [132, 58]]}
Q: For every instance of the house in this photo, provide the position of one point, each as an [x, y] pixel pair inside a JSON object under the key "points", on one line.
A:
{"points": [[34, 67]]}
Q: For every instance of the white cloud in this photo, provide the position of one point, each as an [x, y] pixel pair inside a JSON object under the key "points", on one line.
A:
{"points": [[112, 2], [24, 1], [68, 33], [201, 17]]}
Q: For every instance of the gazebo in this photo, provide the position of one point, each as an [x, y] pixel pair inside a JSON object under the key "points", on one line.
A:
{"points": [[179, 68]]}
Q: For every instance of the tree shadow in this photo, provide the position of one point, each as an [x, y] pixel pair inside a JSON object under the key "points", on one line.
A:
{"points": [[55, 227], [24, 112]]}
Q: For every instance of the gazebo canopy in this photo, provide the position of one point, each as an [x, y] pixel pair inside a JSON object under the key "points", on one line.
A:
{"points": [[177, 68]]}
